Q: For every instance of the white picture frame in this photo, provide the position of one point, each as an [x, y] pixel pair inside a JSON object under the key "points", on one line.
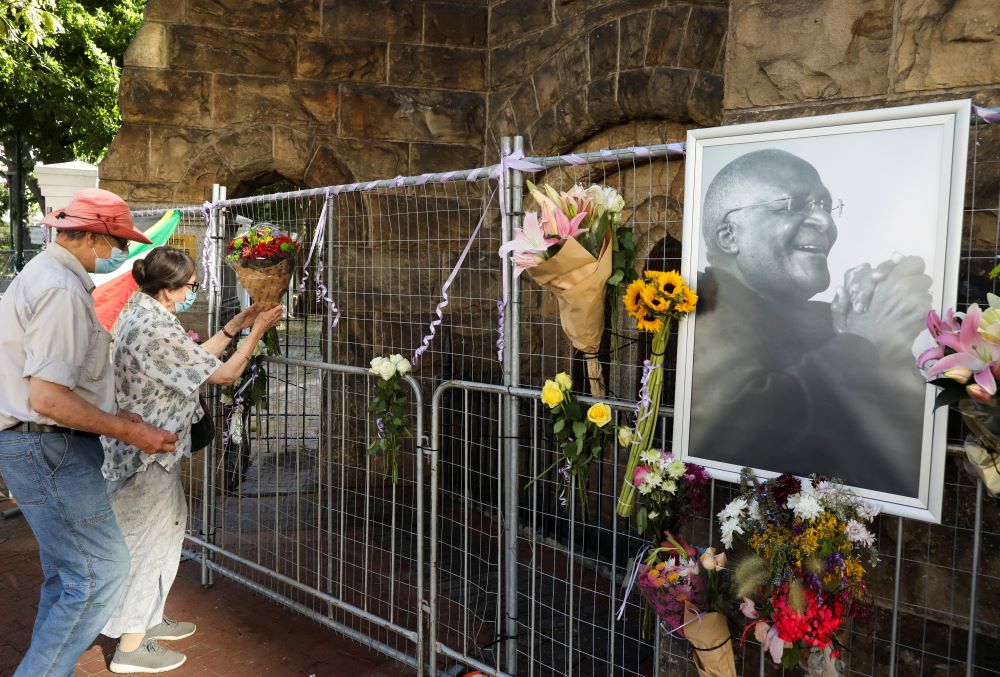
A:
{"points": [[764, 353]]}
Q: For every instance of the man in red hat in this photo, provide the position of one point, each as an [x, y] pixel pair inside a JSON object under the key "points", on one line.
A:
{"points": [[58, 397]]}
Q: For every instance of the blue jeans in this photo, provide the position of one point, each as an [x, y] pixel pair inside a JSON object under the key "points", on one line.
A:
{"points": [[57, 482]]}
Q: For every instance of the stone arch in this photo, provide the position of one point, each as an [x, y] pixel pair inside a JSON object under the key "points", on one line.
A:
{"points": [[663, 64], [258, 155]]}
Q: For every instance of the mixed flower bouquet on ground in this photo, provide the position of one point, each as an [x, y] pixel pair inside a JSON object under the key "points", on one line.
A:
{"points": [[960, 353], [264, 259], [655, 299], [810, 549], [577, 250], [581, 435], [389, 406], [689, 591]]}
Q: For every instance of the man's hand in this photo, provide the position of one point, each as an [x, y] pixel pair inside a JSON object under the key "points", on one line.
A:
{"points": [[150, 439], [897, 304], [129, 416]]}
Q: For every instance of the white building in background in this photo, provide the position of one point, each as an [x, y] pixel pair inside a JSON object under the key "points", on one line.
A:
{"points": [[58, 182]]}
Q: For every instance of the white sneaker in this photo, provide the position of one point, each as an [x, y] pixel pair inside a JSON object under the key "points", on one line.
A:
{"points": [[150, 657], [169, 629]]}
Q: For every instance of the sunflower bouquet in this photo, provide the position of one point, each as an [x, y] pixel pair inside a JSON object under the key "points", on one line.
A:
{"points": [[654, 300]]}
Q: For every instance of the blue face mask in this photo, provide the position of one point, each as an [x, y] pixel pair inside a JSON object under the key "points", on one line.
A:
{"points": [[181, 306], [110, 265]]}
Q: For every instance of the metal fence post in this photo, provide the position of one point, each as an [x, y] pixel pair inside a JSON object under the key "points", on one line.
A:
{"points": [[214, 309], [977, 536], [513, 186]]}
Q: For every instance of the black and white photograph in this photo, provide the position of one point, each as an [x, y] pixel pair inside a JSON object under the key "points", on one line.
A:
{"points": [[817, 247]]}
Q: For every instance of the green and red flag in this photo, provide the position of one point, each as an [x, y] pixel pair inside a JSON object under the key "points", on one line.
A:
{"points": [[113, 290]]}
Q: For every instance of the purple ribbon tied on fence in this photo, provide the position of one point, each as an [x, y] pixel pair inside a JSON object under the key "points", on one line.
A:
{"points": [[316, 248], [564, 473], [989, 115], [443, 303], [644, 406]]}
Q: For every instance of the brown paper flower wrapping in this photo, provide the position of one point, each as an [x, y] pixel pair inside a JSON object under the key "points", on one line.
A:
{"points": [[268, 285], [713, 646], [578, 281]]}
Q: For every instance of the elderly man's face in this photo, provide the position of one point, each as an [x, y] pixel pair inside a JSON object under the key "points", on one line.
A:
{"points": [[783, 245]]}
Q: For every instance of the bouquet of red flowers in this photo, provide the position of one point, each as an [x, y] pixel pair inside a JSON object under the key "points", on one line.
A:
{"points": [[264, 259]]}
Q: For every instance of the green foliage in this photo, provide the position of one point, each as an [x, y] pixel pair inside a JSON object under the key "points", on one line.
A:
{"points": [[389, 407], [59, 71]]}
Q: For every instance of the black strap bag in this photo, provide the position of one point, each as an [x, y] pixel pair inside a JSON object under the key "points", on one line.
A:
{"points": [[203, 430]]}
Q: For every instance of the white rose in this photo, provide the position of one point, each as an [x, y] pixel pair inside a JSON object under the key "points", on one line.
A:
{"points": [[400, 364], [376, 364], [386, 370]]}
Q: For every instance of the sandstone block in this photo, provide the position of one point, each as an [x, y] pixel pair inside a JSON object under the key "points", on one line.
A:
{"points": [[706, 31], [149, 47], [172, 148], [391, 20], [151, 193], [828, 49], [207, 168], [293, 151], [229, 51], [633, 37], [411, 114], [510, 62], [248, 151], [263, 15], [152, 96], [602, 102], [128, 157], [457, 25], [655, 93], [244, 99], [332, 59], [443, 157], [163, 10], [604, 48], [666, 35], [947, 44], [369, 159], [326, 168], [515, 18], [432, 66], [705, 103], [524, 104], [563, 73]]}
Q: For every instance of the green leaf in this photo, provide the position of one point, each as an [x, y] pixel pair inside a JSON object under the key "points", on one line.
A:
{"points": [[642, 520], [616, 278], [558, 426], [579, 429]]}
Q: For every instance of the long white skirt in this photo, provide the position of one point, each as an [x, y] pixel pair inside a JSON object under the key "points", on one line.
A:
{"points": [[152, 513]]}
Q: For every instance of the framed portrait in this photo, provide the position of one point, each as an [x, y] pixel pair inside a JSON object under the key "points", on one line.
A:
{"points": [[817, 246]]}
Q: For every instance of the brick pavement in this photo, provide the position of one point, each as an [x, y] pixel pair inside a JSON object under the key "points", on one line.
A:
{"points": [[239, 634]]}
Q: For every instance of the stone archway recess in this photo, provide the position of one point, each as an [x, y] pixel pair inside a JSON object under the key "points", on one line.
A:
{"points": [[246, 158]]}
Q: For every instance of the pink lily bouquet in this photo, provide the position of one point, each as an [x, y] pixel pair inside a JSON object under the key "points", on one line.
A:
{"points": [[960, 353], [576, 248]]}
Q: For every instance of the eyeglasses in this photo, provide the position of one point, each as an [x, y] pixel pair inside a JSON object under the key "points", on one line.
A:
{"points": [[798, 205], [193, 286]]}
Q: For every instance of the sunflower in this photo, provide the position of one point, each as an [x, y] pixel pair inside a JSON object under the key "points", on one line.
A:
{"points": [[632, 298], [654, 300], [688, 302], [646, 323], [670, 281]]}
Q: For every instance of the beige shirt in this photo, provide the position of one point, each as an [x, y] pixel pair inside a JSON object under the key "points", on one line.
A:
{"points": [[49, 330]]}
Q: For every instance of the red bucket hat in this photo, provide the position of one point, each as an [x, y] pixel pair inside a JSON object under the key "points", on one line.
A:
{"points": [[96, 211]]}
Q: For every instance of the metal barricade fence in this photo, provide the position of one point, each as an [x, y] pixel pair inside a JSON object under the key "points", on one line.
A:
{"points": [[462, 553]]}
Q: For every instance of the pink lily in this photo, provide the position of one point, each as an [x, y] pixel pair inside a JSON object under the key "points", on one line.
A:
{"points": [[560, 225], [639, 476], [529, 245], [972, 352], [979, 394], [767, 635]]}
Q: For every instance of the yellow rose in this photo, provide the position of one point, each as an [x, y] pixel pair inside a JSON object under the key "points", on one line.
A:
{"points": [[564, 381], [552, 394], [599, 415]]}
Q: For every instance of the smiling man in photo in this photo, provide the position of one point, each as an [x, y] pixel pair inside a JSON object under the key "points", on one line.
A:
{"points": [[785, 383]]}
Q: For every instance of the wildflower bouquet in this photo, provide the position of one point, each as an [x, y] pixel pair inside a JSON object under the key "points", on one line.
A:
{"points": [[581, 435], [960, 353], [577, 250], [669, 490], [389, 407], [689, 592], [810, 549], [264, 259], [655, 299]]}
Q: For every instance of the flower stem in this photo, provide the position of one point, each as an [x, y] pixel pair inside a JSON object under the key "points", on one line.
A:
{"points": [[648, 416]]}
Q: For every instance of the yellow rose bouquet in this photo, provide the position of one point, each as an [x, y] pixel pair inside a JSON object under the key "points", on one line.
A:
{"points": [[654, 300], [581, 434]]}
